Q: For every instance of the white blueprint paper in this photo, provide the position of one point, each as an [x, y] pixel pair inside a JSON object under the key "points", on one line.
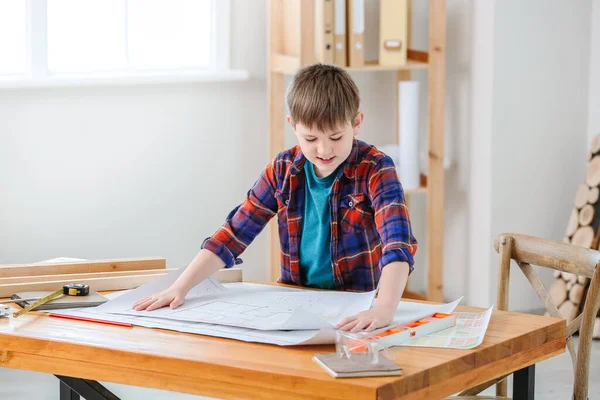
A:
{"points": [[406, 312], [262, 307], [207, 287]]}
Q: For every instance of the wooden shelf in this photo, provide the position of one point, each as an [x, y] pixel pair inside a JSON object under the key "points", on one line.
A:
{"points": [[415, 60], [288, 65], [291, 45], [374, 66]]}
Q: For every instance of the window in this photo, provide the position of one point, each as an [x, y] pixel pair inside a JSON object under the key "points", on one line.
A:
{"points": [[13, 36], [47, 39]]}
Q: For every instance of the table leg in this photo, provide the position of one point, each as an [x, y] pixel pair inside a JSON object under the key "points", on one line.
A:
{"points": [[73, 388], [66, 393], [524, 383]]}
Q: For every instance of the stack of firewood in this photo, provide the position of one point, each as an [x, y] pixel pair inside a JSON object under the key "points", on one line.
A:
{"points": [[568, 291]]}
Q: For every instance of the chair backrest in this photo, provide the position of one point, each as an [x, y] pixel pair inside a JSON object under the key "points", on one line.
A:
{"points": [[529, 250]]}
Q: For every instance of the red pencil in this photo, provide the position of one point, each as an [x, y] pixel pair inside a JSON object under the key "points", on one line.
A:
{"points": [[101, 321]]}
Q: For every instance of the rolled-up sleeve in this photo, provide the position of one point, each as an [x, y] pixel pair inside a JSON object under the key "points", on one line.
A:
{"points": [[391, 214]]}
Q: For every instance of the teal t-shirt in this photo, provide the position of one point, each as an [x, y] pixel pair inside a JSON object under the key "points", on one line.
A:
{"points": [[315, 242]]}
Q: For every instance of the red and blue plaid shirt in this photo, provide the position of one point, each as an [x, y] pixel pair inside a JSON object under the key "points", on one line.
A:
{"points": [[370, 226]]}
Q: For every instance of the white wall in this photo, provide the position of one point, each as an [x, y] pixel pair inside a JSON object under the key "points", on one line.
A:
{"points": [[539, 134], [479, 141], [593, 127]]}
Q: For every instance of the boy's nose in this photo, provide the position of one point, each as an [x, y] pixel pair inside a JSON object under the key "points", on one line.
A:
{"points": [[323, 149]]}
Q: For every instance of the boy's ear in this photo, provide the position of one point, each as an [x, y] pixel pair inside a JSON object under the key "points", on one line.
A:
{"points": [[357, 122], [289, 121]]}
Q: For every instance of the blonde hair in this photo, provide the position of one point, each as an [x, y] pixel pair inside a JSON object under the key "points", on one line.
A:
{"points": [[324, 96]]}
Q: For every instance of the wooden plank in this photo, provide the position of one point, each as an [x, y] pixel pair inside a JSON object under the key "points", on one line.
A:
{"points": [[122, 264], [413, 295], [226, 275], [234, 369], [409, 17], [435, 195], [375, 66], [284, 24], [276, 100], [402, 76], [283, 64], [75, 277], [306, 32], [276, 94], [96, 284]]}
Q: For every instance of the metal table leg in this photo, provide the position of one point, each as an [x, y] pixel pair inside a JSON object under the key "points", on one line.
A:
{"points": [[73, 388], [66, 393], [524, 383]]}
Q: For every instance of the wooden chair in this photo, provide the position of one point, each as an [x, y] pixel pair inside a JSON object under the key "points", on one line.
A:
{"points": [[528, 250]]}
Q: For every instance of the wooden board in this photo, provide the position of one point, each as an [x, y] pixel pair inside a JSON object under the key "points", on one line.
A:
{"points": [[226, 275], [99, 281], [76, 277], [436, 80], [124, 264], [96, 284]]}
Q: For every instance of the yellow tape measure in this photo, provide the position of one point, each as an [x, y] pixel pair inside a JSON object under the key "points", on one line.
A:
{"points": [[71, 289]]}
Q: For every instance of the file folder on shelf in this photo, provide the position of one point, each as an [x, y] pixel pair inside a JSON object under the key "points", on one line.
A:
{"points": [[393, 32], [324, 20], [339, 33], [356, 33]]}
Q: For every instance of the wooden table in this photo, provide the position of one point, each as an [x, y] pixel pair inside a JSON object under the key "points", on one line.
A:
{"points": [[225, 368]]}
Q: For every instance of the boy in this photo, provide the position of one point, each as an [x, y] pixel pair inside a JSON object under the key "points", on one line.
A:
{"points": [[343, 220]]}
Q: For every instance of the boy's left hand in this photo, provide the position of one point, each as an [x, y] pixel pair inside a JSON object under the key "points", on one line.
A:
{"points": [[376, 317]]}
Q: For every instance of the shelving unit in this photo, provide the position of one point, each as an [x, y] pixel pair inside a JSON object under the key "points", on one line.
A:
{"points": [[289, 48]]}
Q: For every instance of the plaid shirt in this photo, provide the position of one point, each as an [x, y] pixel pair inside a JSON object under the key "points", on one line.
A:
{"points": [[370, 227]]}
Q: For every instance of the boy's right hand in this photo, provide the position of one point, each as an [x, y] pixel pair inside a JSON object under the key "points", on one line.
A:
{"points": [[171, 297]]}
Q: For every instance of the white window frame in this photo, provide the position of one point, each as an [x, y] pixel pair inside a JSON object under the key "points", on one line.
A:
{"points": [[40, 76]]}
